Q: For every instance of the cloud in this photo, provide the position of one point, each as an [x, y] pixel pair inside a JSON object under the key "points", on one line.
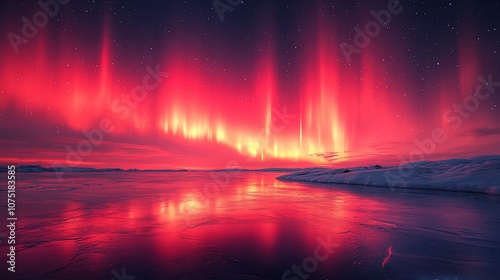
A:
{"points": [[328, 156], [483, 131]]}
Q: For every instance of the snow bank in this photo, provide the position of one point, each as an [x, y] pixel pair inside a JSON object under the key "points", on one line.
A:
{"points": [[477, 174]]}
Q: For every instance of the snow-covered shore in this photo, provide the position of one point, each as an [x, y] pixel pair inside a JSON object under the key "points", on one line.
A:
{"points": [[477, 174]]}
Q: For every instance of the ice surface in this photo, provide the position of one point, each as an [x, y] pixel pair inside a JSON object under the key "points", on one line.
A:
{"points": [[477, 174], [178, 225]]}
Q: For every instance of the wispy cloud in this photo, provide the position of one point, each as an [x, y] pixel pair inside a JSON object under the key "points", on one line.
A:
{"points": [[483, 131]]}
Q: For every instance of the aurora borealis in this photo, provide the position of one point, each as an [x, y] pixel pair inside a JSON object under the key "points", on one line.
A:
{"points": [[269, 86]]}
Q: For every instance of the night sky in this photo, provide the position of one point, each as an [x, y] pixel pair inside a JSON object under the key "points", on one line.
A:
{"points": [[168, 84]]}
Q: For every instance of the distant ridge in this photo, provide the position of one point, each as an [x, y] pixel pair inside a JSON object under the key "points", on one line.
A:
{"points": [[34, 168]]}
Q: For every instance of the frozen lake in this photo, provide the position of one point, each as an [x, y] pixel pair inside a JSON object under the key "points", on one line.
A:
{"points": [[175, 225]]}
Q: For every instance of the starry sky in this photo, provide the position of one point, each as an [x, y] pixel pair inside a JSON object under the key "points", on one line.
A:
{"points": [[211, 84]]}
